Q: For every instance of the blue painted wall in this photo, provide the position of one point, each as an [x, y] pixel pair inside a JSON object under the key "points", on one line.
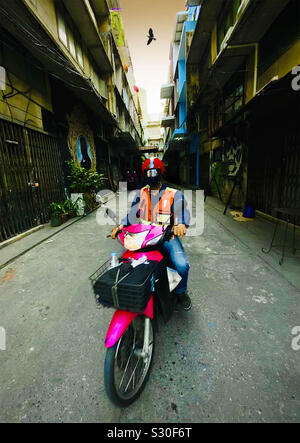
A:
{"points": [[188, 26], [181, 77]]}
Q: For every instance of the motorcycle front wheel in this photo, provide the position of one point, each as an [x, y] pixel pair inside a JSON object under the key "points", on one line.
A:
{"points": [[126, 371]]}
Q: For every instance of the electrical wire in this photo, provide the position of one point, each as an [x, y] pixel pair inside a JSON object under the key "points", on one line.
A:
{"points": [[19, 109], [57, 55], [16, 20]]}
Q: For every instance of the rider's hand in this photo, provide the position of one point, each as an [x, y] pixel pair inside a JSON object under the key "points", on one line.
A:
{"points": [[115, 231], [179, 230]]}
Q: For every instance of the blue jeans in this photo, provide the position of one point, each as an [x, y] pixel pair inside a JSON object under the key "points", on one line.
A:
{"points": [[176, 254]]}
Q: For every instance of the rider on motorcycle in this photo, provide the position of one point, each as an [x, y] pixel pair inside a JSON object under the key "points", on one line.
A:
{"points": [[157, 203]]}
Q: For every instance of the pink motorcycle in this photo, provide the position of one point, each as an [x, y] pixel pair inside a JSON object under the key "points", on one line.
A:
{"points": [[139, 287]]}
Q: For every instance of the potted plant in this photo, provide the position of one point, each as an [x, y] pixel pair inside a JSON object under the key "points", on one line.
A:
{"points": [[84, 184], [56, 212], [70, 208]]}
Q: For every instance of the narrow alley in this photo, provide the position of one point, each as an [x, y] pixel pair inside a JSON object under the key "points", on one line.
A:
{"points": [[227, 360], [175, 111]]}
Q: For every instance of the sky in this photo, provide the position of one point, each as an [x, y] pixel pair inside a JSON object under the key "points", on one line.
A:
{"points": [[150, 63]]}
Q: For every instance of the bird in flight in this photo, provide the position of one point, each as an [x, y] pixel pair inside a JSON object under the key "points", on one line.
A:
{"points": [[150, 36]]}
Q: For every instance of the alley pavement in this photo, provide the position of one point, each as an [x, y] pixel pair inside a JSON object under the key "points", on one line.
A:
{"points": [[230, 359]]}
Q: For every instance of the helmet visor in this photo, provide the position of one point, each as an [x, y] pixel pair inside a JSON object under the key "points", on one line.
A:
{"points": [[152, 173]]}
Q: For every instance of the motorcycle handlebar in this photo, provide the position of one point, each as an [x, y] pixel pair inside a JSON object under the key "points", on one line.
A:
{"points": [[118, 232], [168, 234]]}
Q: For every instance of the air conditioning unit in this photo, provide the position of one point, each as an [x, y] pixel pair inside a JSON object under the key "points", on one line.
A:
{"points": [[242, 8], [226, 38]]}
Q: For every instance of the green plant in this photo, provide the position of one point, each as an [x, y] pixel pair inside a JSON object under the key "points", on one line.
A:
{"points": [[84, 181], [56, 209], [70, 206]]}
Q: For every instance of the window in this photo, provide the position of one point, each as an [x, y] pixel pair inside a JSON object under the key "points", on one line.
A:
{"points": [[103, 88], [233, 102], [79, 55], [234, 94], [227, 19], [224, 108], [95, 80], [72, 45], [62, 33], [99, 84], [69, 36], [215, 116]]}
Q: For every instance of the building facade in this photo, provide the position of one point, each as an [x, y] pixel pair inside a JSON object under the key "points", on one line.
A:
{"points": [[67, 95], [242, 103], [181, 147], [232, 101]]}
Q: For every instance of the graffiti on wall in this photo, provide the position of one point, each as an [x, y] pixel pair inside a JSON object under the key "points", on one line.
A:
{"points": [[232, 153], [81, 139]]}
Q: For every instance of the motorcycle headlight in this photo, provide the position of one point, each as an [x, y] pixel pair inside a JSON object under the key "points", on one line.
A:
{"points": [[134, 242]]}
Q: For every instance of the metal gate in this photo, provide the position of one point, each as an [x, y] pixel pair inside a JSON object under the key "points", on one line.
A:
{"points": [[290, 173], [30, 178], [274, 181]]}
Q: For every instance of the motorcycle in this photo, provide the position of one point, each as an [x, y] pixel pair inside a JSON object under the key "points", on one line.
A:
{"points": [[130, 339]]}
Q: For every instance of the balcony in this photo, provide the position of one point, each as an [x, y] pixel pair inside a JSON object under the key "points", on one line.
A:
{"points": [[179, 135], [85, 19], [241, 40], [243, 37], [181, 17], [253, 21], [208, 16], [168, 121], [100, 8], [167, 91]]}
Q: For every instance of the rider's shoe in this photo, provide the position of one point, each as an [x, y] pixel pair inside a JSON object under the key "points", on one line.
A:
{"points": [[185, 301]]}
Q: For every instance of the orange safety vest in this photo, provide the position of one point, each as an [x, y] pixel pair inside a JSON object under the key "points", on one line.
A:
{"points": [[161, 213]]}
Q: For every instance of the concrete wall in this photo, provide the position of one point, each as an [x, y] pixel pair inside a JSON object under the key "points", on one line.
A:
{"points": [[24, 107], [27, 88]]}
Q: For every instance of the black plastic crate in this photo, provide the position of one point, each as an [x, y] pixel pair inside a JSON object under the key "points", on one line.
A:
{"points": [[125, 287]]}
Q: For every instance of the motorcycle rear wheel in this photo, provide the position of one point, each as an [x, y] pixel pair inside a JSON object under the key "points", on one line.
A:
{"points": [[125, 372]]}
